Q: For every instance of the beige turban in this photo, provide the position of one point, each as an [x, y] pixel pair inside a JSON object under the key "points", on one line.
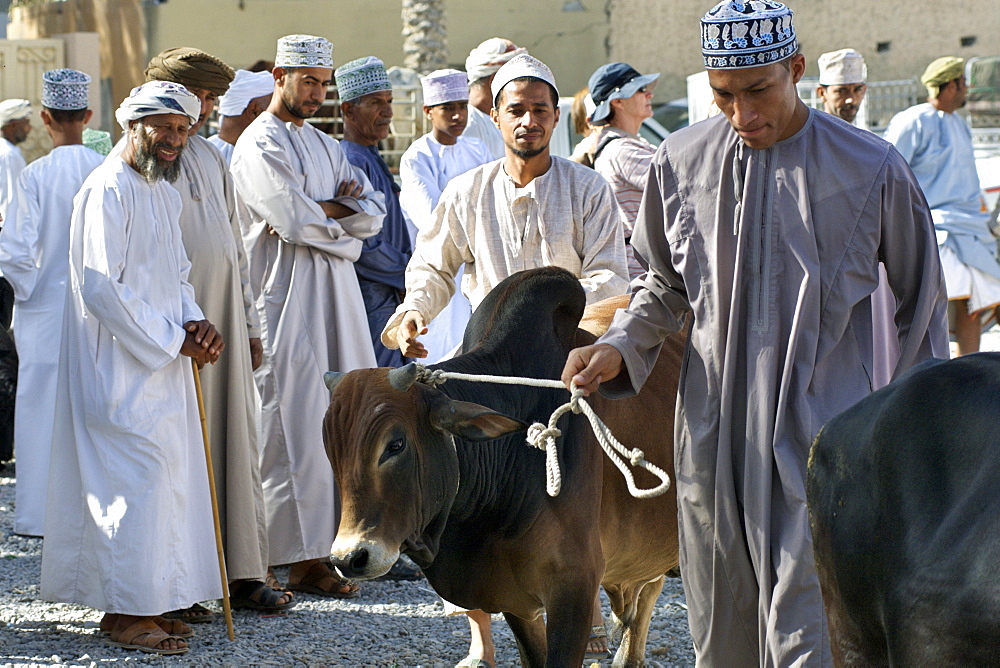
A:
{"points": [[940, 72], [14, 109], [192, 68]]}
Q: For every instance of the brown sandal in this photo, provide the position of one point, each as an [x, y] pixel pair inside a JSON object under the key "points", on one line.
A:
{"points": [[317, 575], [173, 627], [145, 636]]}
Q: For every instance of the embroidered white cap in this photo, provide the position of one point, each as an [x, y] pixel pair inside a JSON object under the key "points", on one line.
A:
{"points": [[442, 86], [845, 66], [522, 66], [304, 51]]}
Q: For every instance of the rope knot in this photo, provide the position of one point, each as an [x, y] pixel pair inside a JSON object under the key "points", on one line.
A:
{"points": [[576, 395], [539, 435], [637, 457], [428, 377]]}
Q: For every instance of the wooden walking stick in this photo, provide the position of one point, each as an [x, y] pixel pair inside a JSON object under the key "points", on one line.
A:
{"points": [[215, 504]]}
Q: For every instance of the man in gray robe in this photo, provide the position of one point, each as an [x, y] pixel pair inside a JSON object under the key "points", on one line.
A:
{"points": [[776, 261], [210, 228]]}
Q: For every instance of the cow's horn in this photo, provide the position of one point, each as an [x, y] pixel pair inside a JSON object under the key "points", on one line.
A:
{"points": [[403, 377], [332, 378]]}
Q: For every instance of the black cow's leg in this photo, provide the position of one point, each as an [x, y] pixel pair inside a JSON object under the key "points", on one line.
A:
{"points": [[568, 625], [530, 636], [632, 650]]}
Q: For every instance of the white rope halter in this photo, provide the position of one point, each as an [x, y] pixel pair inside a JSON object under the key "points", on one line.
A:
{"points": [[544, 437]]}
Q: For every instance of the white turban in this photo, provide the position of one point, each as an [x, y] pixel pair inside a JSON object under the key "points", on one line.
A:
{"points": [[14, 110], [245, 87], [158, 97], [490, 56]]}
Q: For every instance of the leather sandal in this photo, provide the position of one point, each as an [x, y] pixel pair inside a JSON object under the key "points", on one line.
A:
{"points": [[145, 636], [196, 614], [257, 595], [173, 627], [321, 572]]}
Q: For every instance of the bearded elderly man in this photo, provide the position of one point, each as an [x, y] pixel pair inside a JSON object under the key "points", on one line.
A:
{"points": [[766, 224], [129, 528], [366, 105], [529, 210], [310, 211], [210, 228], [937, 143]]}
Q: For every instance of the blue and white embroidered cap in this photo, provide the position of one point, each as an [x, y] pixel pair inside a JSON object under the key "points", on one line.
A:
{"points": [[304, 51], [737, 35], [65, 89], [361, 77]]}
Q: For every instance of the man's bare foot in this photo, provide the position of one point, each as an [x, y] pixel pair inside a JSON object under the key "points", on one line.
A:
{"points": [[319, 577], [143, 634]]}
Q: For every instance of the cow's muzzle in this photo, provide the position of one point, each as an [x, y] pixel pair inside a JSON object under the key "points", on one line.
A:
{"points": [[363, 560]]}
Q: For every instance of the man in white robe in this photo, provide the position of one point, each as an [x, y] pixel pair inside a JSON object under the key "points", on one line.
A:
{"points": [[129, 522], [482, 63], [247, 97], [34, 258], [937, 143], [309, 212], [528, 210], [427, 166], [15, 124], [766, 224], [213, 240]]}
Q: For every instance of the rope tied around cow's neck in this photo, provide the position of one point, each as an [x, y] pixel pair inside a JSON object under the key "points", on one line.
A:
{"points": [[544, 437]]}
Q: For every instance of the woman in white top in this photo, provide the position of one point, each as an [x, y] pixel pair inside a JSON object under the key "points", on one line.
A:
{"points": [[425, 169]]}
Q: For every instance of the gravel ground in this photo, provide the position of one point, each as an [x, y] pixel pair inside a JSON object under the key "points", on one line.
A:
{"points": [[390, 624]]}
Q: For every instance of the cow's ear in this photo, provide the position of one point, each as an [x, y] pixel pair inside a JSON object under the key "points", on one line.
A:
{"points": [[472, 421]]}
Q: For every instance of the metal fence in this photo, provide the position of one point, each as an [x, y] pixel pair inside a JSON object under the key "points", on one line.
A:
{"points": [[408, 121], [883, 100]]}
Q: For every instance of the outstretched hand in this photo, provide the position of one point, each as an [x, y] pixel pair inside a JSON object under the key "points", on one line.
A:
{"points": [[409, 329], [589, 366], [203, 343]]}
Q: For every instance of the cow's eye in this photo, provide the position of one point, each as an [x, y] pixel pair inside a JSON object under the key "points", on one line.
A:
{"points": [[393, 448]]}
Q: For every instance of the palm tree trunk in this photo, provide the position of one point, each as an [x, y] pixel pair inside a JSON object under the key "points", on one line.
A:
{"points": [[424, 35]]}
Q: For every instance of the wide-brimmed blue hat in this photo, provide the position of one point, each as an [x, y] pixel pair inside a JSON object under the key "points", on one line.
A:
{"points": [[615, 81]]}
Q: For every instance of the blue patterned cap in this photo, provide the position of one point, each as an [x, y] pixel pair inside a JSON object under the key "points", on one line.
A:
{"points": [[360, 77], [65, 89], [736, 35]]}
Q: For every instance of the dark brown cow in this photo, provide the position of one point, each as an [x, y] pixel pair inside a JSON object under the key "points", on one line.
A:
{"points": [[436, 474], [904, 500]]}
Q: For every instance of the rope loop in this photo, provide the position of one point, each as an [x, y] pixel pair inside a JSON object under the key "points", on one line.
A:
{"points": [[544, 437], [539, 435]]}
